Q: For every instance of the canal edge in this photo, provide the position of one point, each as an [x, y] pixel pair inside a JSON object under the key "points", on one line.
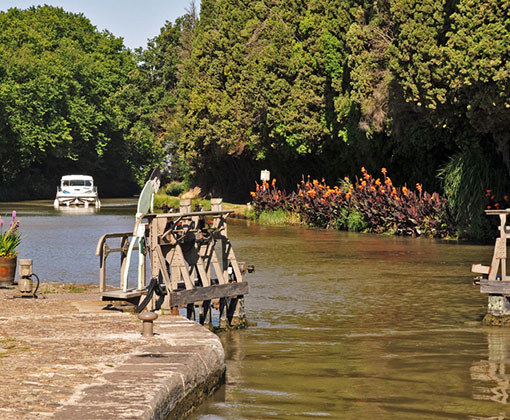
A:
{"points": [[167, 378]]}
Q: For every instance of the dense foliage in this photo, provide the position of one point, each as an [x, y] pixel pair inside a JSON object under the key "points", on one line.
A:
{"points": [[59, 78], [317, 86], [371, 204], [324, 86]]}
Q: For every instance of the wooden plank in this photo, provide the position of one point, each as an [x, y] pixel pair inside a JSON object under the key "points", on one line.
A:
{"points": [[183, 297], [480, 269], [497, 287]]}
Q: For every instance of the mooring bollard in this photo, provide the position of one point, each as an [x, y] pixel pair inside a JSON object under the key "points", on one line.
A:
{"points": [[147, 319]]}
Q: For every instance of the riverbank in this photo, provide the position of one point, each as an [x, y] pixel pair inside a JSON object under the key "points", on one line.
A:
{"points": [[65, 356]]}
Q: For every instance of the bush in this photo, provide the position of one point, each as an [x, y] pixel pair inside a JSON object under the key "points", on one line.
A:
{"points": [[175, 188]]}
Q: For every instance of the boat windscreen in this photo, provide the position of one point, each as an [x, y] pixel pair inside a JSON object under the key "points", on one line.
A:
{"points": [[76, 183]]}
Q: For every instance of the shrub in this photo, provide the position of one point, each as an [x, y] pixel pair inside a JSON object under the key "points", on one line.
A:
{"points": [[175, 188]]}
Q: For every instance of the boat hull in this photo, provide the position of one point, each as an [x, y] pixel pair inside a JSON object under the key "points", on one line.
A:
{"points": [[80, 200]]}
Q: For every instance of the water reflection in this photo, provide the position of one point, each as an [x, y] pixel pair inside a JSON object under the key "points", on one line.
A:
{"points": [[77, 211], [492, 376], [354, 327]]}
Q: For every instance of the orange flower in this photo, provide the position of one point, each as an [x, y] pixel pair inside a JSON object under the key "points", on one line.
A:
{"points": [[418, 187], [383, 191], [348, 195], [364, 183], [394, 191], [258, 187], [366, 176], [253, 194], [404, 190], [377, 181], [315, 182], [363, 169], [489, 207], [496, 205], [274, 182], [372, 188], [383, 170]]}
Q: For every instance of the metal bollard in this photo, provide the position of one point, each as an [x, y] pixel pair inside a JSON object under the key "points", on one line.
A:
{"points": [[147, 319]]}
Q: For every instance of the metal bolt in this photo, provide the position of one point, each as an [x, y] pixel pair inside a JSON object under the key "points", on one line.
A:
{"points": [[147, 325]]}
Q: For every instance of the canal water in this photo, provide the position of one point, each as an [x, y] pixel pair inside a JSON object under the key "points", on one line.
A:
{"points": [[349, 326]]}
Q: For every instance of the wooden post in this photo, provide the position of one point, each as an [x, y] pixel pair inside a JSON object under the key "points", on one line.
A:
{"points": [[185, 206]]}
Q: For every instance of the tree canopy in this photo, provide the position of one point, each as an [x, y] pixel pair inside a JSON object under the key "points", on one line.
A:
{"points": [[59, 78], [319, 87]]}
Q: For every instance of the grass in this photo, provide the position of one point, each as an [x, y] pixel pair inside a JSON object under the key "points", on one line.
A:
{"points": [[278, 217], [72, 288], [56, 288]]}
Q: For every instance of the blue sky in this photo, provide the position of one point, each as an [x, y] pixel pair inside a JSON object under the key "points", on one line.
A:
{"points": [[134, 20]]}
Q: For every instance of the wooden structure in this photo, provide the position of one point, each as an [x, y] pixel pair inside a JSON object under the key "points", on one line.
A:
{"points": [[190, 253], [494, 279]]}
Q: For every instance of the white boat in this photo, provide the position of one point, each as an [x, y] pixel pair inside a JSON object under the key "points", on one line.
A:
{"points": [[76, 190]]}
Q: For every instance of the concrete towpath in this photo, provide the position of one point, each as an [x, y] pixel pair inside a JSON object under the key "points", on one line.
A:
{"points": [[65, 357]]}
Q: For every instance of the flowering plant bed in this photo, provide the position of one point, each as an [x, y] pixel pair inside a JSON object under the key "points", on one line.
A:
{"points": [[368, 204]]}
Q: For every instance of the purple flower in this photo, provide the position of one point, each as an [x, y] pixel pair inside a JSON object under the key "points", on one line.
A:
{"points": [[14, 214], [1, 222]]}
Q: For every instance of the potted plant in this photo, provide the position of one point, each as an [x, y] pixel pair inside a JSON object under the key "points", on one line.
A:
{"points": [[9, 242]]}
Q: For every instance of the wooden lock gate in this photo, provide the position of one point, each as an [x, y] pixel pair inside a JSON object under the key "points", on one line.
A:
{"points": [[494, 279], [190, 253]]}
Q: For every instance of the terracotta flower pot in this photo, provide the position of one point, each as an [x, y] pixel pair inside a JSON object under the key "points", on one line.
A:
{"points": [[7, 270]]}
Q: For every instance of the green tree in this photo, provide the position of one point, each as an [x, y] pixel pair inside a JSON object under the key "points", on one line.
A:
{"points": [[58, 80]]}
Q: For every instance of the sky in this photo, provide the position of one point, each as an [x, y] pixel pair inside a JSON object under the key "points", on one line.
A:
{"points": [[134, 20]]}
